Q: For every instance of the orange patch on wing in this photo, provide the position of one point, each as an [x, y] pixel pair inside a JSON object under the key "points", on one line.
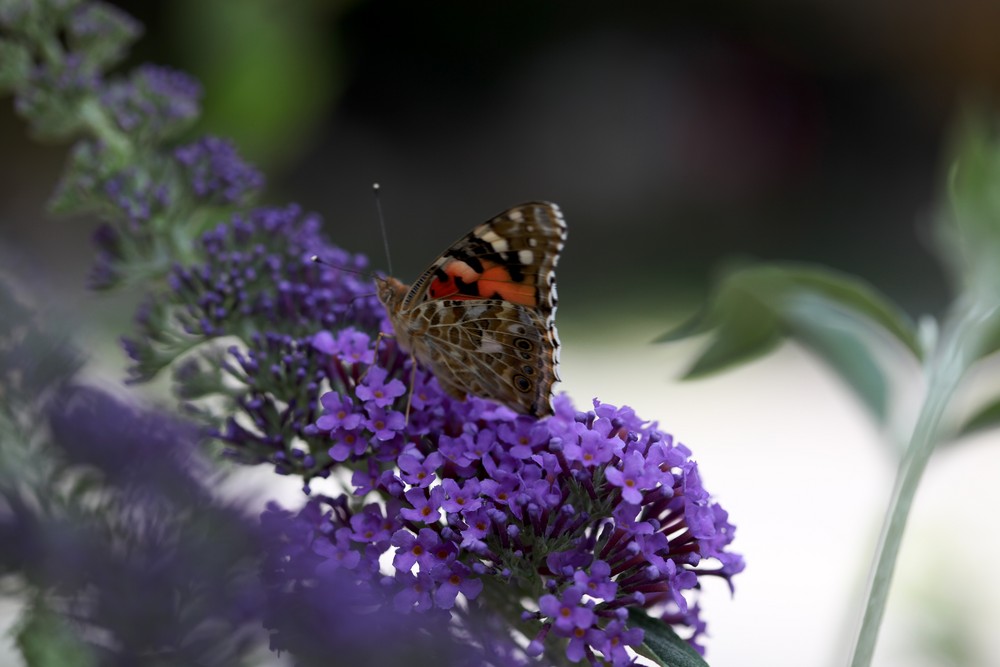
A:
{"points": [[494, 282], [448, 288], [440, 289]]}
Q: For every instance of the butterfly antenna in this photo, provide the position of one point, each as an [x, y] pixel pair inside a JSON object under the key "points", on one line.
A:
{"points": [[381, 224], [319, 260]]}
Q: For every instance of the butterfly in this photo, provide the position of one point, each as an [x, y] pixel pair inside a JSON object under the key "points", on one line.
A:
{"points": [[481, 318]]}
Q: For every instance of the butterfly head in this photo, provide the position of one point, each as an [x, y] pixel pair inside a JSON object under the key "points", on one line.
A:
{"points": [[390, 292]]}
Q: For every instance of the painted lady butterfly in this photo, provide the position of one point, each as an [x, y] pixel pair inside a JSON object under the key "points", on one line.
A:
{"points": [[481, 318]]}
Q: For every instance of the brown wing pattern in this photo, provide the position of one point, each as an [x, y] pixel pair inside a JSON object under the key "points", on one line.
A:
{"points": [[490, 348]]}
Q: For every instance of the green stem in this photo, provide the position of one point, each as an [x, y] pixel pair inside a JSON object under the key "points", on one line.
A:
{"points": [[911, 469], [944, 372], [97, 121]]}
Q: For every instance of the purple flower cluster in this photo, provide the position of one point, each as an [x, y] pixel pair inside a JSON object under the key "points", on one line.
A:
{"points": [[258, 277], [130, 197], [136, 204], [325, 589], [71, 76], [54, 92], [587, 514], [215, 171], [124, 507], [154, 103], [259, 284], [101, 32], [94, 21], [136, 197], [282, 378]]}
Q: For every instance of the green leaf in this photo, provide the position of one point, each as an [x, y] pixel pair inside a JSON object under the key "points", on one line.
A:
{"points": [[837, 337], [841, 318], [968, 228], [45, 640], [987, 417], [989, 338], [743, 336], [662, 644]]}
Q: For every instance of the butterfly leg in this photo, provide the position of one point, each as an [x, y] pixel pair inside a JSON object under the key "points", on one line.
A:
{"points": [[378, 340], [413, 372], [413, 383]]}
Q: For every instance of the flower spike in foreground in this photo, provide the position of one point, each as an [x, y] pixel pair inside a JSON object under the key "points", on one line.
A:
{"points": [[587, 514]]}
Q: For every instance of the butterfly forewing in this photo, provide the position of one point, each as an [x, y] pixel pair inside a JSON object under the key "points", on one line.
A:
{"points": [[511, 257], [481, 317]]}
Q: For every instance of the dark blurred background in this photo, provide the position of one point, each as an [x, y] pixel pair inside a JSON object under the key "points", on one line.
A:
{"points": [[674, 135]]}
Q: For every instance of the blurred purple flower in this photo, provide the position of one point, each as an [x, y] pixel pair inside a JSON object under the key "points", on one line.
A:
{"points": [[328, 615], [55, 89], [137, 197], [92, 21], [100, 32], [154, 103], [128, 508], [216, 173]]}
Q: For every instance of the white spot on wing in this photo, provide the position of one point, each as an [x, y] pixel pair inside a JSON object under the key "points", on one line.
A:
{"points": [[516, 216], [497, 242], [489, 345], [525, 257], [474, 312]]}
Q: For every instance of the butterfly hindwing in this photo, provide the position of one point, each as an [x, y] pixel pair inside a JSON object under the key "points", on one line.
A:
{"points": [[494, 349]]}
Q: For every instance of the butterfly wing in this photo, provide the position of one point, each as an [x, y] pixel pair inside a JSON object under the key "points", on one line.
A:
{"points": [[491, 348], [486, 310], [511, 257]]}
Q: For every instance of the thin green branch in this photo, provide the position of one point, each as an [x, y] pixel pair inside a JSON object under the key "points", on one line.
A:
{"points": [[97, 122], [954, 352]]}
